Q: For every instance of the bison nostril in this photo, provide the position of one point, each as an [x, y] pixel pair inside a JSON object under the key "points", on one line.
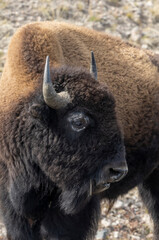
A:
{"points": [[116, 174]]}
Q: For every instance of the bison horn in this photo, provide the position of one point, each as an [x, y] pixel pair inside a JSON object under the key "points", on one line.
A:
{"points": [[93, 67], [51, 98]]}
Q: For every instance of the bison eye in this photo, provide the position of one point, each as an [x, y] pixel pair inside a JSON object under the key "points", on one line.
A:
{"points": [[79, 121]]}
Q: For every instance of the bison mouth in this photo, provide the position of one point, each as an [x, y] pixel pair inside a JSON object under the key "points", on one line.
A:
{"points": [[95, 189]]}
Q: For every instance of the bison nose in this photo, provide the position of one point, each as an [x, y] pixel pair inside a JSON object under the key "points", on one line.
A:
{"points": [[116, 174]]}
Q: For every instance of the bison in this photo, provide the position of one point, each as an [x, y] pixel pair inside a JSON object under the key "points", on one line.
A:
{"points": [[64, 131]]}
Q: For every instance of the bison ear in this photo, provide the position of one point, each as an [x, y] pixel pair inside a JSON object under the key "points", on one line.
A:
{"points": [[38, 110], [93, 67]]}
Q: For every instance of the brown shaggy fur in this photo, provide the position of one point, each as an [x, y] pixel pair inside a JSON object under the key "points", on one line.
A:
{"points": [[129, 72]]}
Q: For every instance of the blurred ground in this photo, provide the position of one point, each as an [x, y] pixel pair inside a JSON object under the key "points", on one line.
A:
{"points": [[133, 20]]}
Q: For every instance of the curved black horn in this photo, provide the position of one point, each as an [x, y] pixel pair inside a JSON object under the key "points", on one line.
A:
{"points": [[53, 99], [93, 67]]}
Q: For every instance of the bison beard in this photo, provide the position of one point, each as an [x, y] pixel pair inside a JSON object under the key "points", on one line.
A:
{"points": [[73, 200]]}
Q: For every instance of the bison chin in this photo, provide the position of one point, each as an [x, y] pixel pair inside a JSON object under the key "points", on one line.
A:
{"points": [[74, 200]]}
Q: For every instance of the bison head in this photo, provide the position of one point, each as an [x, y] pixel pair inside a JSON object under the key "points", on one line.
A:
{"points": [[70, 133]]}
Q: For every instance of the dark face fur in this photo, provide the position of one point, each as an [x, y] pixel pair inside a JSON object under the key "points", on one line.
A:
{"points": [[71, 145]]}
